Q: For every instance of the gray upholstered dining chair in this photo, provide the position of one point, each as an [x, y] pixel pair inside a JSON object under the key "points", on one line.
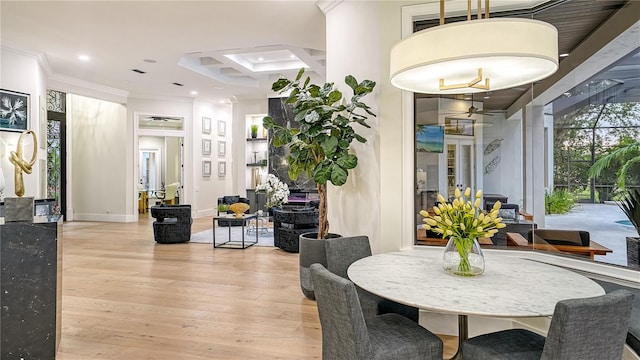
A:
{"points": [[581, 329], [346, 335], [342, 252]]}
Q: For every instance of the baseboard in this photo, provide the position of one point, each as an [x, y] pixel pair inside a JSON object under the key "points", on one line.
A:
{"points": [[105, 217]]}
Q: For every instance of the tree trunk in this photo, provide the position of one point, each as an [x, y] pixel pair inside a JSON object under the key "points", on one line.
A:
{"points": [[323, 225]]}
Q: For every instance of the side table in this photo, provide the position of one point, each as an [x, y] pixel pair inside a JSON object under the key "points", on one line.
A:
{"points": [[262, 226], [231, 243]]}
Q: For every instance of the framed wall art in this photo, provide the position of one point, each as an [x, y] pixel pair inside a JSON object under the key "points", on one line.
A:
{"points": [[453, 126], [206, 147], [14, 111], [222, 169], [222, 128], [430, 138], [206, 168], [222, 148], [206, 125]]}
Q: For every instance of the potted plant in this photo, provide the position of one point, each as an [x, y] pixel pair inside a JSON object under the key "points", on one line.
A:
{"points": [[628, 155], [254, 131], [222, 208], [630, 205], [319, 145]]}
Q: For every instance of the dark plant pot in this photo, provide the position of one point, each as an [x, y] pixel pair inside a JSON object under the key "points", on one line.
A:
{"points": [[633, 253], [254, 135], [311, 251]]}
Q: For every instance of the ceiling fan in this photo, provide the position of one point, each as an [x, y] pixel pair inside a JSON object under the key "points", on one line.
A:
{"points": [[474, 111]]}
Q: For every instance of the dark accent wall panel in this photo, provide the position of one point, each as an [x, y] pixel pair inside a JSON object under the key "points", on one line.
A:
{"points": [[282, 113]]}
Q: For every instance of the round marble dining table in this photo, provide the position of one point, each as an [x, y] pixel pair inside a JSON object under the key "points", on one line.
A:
{"points": [[509, 287]]}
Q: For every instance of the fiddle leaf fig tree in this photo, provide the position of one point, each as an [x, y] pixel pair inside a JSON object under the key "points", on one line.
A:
{"points": [[320, 145]]}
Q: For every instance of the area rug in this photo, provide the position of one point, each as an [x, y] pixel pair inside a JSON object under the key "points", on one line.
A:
{"points": [[265, 238]]}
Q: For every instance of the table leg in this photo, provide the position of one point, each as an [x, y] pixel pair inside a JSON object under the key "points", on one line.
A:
{"points": [[463, 334], [214, 233]]}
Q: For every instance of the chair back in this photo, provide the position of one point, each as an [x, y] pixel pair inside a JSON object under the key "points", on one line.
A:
{"points": [[170, 191], [590, 328], [342, 252], [344, 332], [509, 212], [559, 237]]}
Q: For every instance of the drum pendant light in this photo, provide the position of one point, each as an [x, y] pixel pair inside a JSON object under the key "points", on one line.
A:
{"points": [[475, 55]]}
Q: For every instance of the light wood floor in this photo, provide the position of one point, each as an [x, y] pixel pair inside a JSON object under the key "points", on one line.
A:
{"points": [[125, 297]]}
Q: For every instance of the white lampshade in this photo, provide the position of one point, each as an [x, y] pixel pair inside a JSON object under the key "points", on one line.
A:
{"points": [[510, 52]]}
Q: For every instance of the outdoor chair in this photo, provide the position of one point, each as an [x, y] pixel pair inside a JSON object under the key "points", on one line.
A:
{"points": [[346, 334], [581, 329], [341, 253]]}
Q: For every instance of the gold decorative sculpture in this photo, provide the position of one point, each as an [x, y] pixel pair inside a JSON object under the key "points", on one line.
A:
{"points": [[21, 165], [239, 209]]}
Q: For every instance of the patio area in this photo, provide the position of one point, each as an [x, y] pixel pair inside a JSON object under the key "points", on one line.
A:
{"points": [[600, 220]]}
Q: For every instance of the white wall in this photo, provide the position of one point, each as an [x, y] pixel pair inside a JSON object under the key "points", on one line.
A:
{"points": [[507, 177], [99, 151], [207, 190], [354, 47], [22, 72], [241, 109]]}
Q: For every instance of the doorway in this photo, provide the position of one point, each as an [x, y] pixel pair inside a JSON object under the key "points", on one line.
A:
{"points": [[57, 162], [159, 164]]}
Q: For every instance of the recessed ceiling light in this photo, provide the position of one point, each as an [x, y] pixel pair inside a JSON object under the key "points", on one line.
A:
{"points": [[222, 102], [150, 61], [292, 56], [563, 55], [487, 97], [261, 59], [194, 93], [83, 57]]}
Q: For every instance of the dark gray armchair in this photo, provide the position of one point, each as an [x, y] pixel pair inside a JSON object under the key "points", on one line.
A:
{"points": [[346, 334], [289, 225], [173, 223], [581, 329]]}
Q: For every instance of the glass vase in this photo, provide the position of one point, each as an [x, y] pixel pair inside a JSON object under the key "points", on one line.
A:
{"points": [[463, 257]]}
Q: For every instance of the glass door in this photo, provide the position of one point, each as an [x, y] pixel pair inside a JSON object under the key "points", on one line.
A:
{"points": [[460, 165]]}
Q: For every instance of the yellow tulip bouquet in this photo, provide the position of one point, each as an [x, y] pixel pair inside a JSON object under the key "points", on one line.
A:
{"points": [[463, 221]]}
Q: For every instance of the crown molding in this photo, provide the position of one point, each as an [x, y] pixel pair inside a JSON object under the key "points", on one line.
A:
{"points": [[40, 57], [85, 88], [327, 5]]}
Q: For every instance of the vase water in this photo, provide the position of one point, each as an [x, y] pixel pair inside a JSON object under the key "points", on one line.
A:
{"points": [[463, 257]]}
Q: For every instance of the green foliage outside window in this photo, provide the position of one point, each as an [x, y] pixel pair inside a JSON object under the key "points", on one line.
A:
{"points": [[558, 202]]}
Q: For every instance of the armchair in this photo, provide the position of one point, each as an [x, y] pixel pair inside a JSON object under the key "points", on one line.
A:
{"points": [[173, 223], [289, 225], [228, 200]]}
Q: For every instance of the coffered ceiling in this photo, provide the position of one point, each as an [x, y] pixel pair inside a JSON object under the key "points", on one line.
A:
{"points": [[169, 49]]}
